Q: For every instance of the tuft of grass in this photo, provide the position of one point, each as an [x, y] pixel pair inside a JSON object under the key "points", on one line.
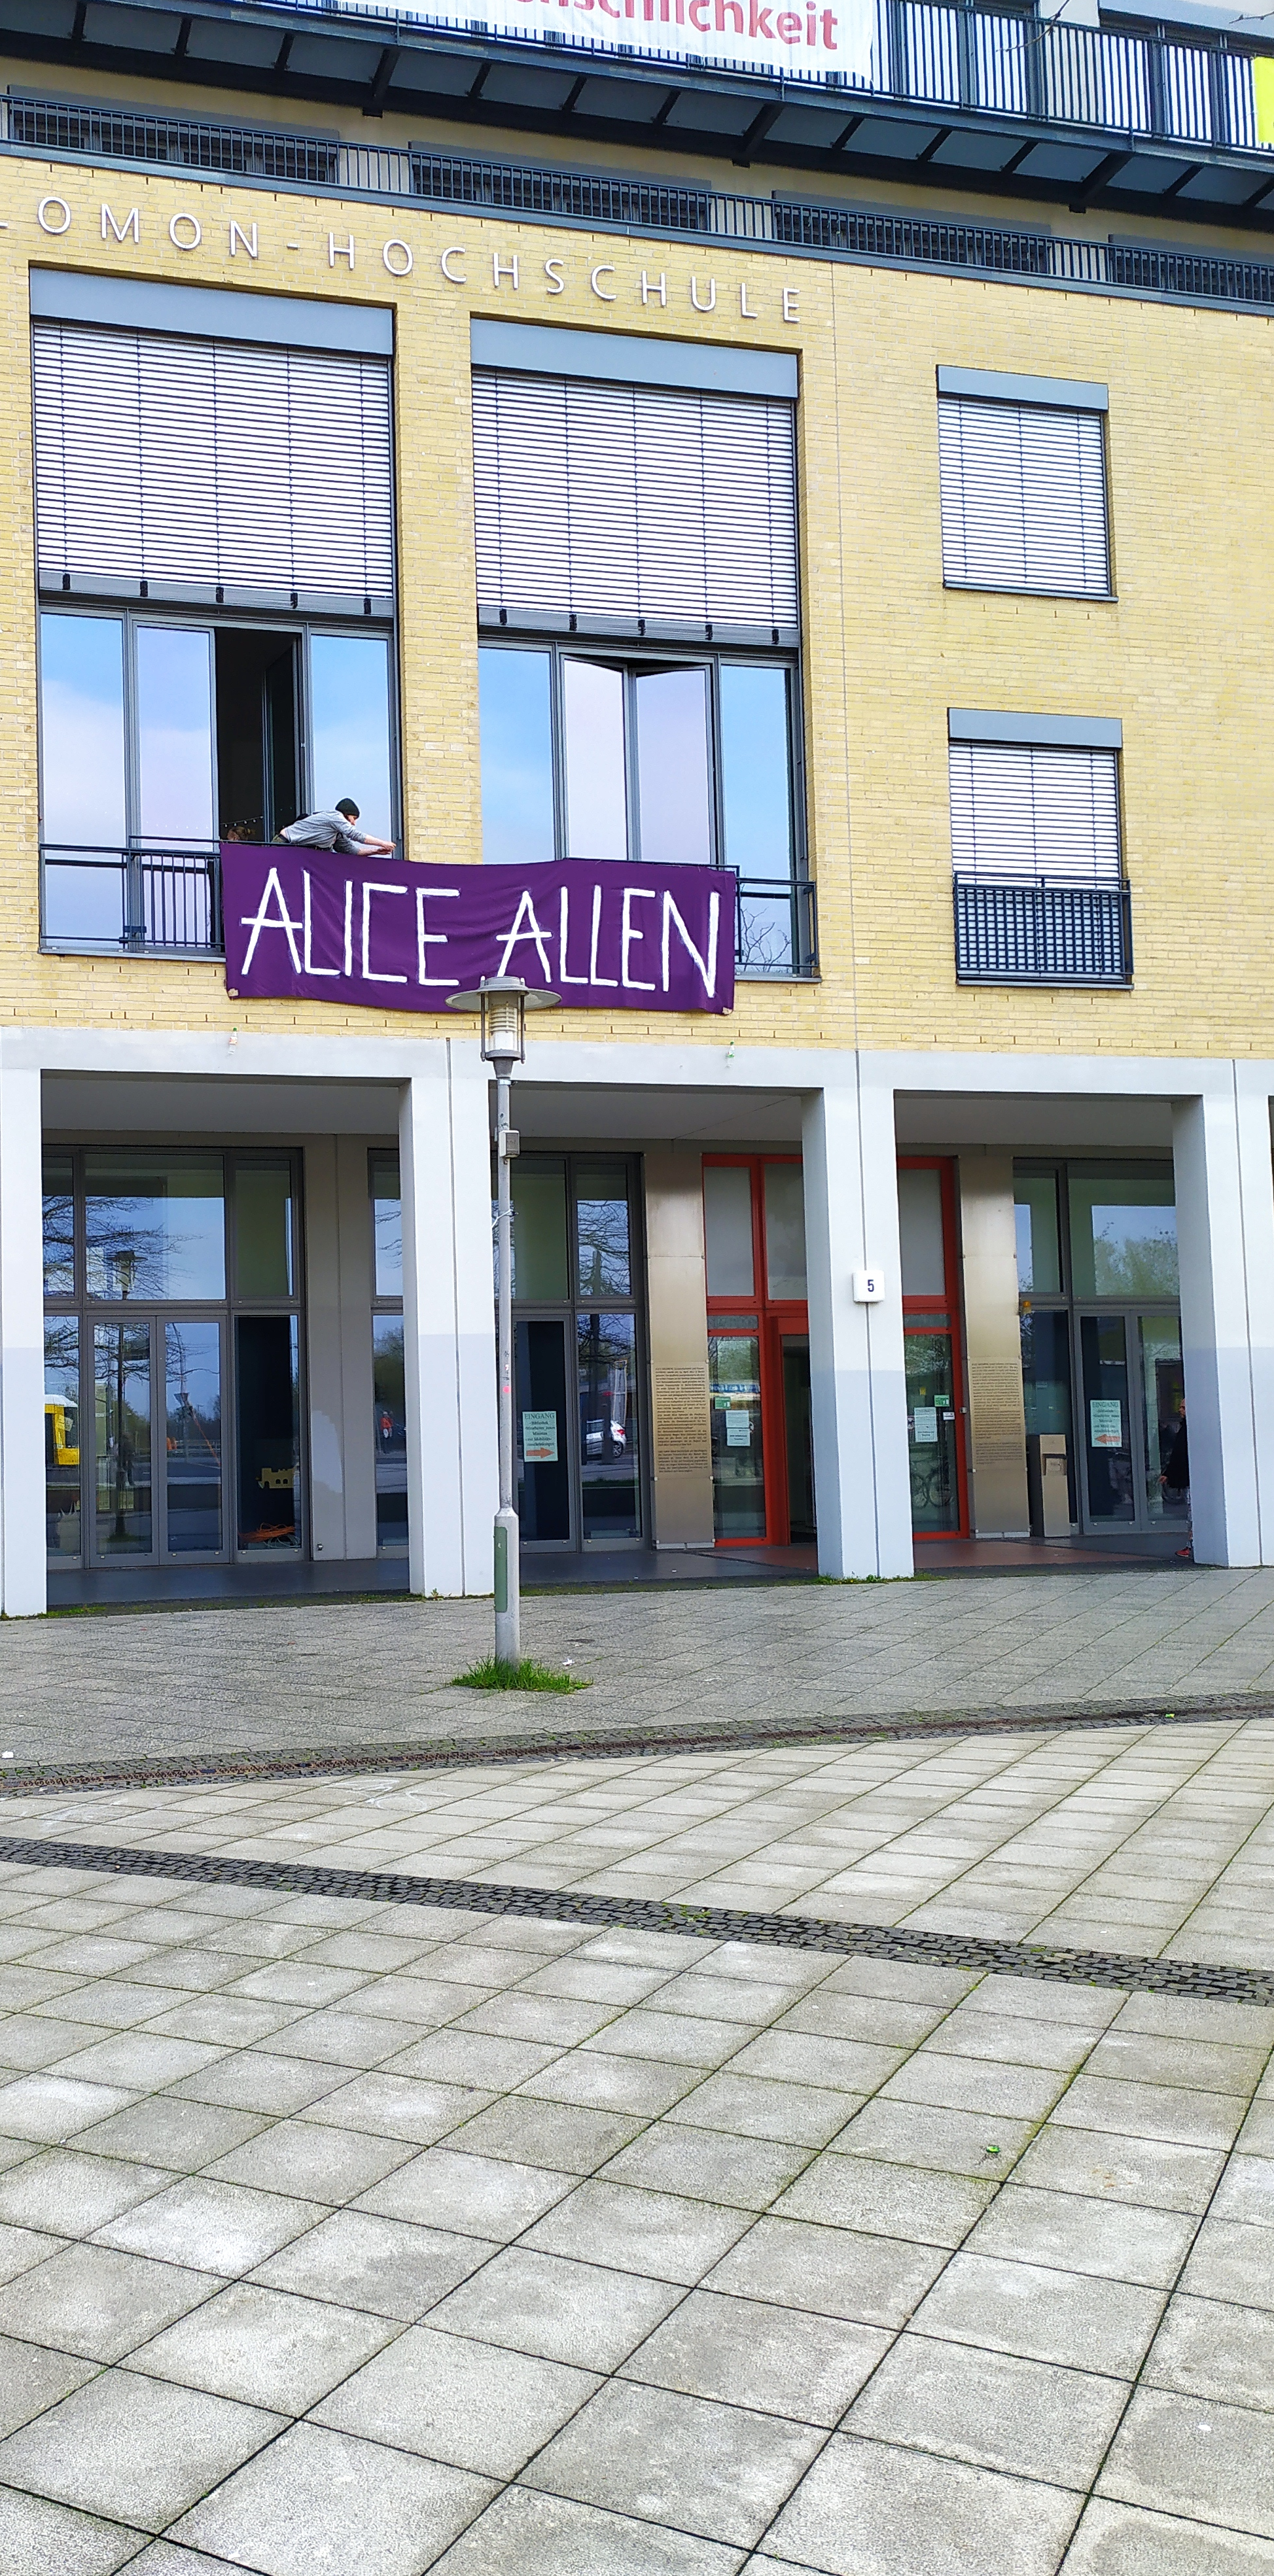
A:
{"points": [[526, 1676]]}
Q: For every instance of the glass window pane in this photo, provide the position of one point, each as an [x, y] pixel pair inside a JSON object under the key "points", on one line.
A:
{"points": [[1123, 1231], [59, 1226], [924, 1259], [931, 1429], [1046, 1370], [673, 780], [738, 1466], [1039, 1259], [62, 1434], [1106, 1431], [263, 1229], [727, 1227], [542, 1430], [269, 1426], [515, 702], [539, 1232], [610, 1492], [389, 1427], [121, 1410], [601, 1223], [192, 1458], [766, 940], [349, 710], [155, 1225], [756, 786], [387, 1225], [596, 795], [1164, 1391], [82, 730], [174, 733], [785, 1229], [83, 901]]}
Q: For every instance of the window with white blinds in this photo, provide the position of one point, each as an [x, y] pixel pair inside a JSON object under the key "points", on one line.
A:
{"points": [[1023, 810], [194, 465], [1023, 497], [611, 501]]}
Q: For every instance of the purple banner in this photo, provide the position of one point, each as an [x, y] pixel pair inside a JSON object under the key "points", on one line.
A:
{"points": [[601, 936]]}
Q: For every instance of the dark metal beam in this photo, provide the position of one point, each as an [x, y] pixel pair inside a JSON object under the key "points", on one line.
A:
{"points": [[381, 78]]}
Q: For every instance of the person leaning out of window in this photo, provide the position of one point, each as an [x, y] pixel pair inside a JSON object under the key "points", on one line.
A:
{"points": [[337, 832]]}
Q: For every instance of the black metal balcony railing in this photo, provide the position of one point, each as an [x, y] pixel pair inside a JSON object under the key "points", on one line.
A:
{"points": [[1037, 933], [157, 902], [153, 901]]}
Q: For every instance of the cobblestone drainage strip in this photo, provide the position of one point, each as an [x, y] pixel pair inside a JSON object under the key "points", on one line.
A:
{"points": [[645, 1914], [600, 1744]]}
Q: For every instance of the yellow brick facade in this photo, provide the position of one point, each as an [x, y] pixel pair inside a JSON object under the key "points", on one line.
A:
{"points": [[1182, 655]]}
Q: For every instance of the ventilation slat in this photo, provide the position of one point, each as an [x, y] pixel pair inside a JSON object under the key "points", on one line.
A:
{"points": [[1023, 497], [200, 463], [627, 501]]}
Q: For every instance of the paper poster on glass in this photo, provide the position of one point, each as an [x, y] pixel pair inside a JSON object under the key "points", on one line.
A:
{"points": [[924, 1422], [738, 1428], [539, 1439], [1106, 1422]]}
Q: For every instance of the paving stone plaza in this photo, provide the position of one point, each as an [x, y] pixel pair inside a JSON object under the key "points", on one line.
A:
{"points": [[372, 2235]]}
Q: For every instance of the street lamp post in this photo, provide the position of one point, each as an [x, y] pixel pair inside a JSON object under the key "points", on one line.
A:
{"points": [[503, 1002]]}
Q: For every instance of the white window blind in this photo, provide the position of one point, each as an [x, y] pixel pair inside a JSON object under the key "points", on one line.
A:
{"points": [[1021, 811], [627, 501], [191, 463], [1023, 497]]}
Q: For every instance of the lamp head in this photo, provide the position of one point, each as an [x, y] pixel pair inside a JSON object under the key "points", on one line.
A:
{"points": [[503, 1002]]}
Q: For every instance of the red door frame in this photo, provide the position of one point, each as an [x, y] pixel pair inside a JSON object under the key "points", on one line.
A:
{"points": [[775, 1316], [948, 1306]]}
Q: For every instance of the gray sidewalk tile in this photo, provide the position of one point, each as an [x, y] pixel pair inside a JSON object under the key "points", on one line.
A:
{"points": [[265, 2347], [749, 2353], [477, 2406], [390, 2105], [750, 2106], [584, 2313], [1157, 2057], [1099, 2164], [90, 2300], [840, 2065], [382, 2264], [1048, 2315], [868, 2509], [639, 2231], [1174, 2113], [975, 2084], [675, 2039], [718, 2471], [42, 2539], [996, 2410], [71, 2193], [261, 2080], [875, 2280], [1125, 2540], [606, 2083], [1246, 2191], [137, 2061], [31, 2379], [707, 2164], [524, 2534], [465, 2057], [1191, 2456], [887, 2200], [982, 2144], [1113, 2239], [135, 2450], [221, 2226], [1232, 2261], [314, 2163], [320, 2504], [565, 2137], [486, 2196], [48, 2108], [166, 2131], [1205, 2348]]}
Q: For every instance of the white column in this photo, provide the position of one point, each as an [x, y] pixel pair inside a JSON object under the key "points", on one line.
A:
{"points": [[22, 1540], [448, 1320], [1225, 1234], [862, 1484]]}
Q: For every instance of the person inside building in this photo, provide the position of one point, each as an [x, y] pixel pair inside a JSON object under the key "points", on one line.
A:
{"points": [[336, 831]]}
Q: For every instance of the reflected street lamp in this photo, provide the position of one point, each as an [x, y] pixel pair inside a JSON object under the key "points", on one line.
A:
{"points": [[503, 1001]]}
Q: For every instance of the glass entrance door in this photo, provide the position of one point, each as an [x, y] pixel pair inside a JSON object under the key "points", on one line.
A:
{"points": [[1132, 1422], [542, 1430], [932, 1426]]}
